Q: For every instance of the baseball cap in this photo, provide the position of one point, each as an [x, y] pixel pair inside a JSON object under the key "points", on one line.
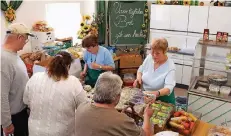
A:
{"points": [[19, 28]]}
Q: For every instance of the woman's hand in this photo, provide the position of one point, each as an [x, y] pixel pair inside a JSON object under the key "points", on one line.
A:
{"points": [[83, 74], [95, 65], [137, 82], [156, 93]]}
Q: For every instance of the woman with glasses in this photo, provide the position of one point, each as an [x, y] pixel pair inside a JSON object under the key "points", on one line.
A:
{"points": [[157, 73], [97, 60]]}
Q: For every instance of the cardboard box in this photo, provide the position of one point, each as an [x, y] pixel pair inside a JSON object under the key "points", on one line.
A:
{"points": [[45, 60], [130, 61]]}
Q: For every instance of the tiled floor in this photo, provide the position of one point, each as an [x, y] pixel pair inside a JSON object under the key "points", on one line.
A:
{"points": [[180, 91]]}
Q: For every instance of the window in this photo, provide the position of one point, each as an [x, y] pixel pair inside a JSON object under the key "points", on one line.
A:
{"points": [[64, 18]]}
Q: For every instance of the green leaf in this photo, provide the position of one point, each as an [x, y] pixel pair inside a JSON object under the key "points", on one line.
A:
{"points": [[12, 4], [15, 4], [4, 3], [18, 4], [4, 6]]}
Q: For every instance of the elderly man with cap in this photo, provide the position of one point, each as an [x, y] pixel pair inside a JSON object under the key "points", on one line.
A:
{"points": [[14, 117]]}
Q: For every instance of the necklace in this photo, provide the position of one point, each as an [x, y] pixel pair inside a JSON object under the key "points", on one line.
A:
{"points": [[95, 56]]}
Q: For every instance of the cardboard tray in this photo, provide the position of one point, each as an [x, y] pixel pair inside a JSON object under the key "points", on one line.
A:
{"points": [[158, 128], [193, 129]]}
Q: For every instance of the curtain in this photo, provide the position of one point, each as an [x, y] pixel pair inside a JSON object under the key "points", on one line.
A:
{"points": [[101, 15]]}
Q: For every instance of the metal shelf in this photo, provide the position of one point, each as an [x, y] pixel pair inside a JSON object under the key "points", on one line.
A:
{"points": [[215, 44], [207, 94]]}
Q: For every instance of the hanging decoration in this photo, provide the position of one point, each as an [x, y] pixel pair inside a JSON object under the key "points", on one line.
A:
{"points": [[9, 10], [89, 25], [146, 21]]}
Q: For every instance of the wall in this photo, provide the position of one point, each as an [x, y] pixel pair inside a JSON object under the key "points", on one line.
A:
{"points": [[32, 11]]}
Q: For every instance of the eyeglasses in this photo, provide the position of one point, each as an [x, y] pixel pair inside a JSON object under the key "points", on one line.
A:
{"points": [[26, 37]]}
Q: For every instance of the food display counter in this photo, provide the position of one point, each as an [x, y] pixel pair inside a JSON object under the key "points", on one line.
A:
{"points": [[210, 87], [201, 128]]}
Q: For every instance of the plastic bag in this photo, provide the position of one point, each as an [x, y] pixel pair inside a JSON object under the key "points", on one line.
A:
{"points": [[129, 76]]}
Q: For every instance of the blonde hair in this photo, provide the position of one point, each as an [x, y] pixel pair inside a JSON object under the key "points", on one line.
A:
{"points": [[160, 44]]}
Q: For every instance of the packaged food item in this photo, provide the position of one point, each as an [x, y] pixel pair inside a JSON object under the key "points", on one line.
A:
{"points": [[214, 88], [224, 90], [156, 105], [154, 120], [206, 35], [225, 37], [155, 113], [219, 131], [202, 89], [219, 37], [178, 126], [166, 109], [161, 115], [173, 48], [179, 119]]}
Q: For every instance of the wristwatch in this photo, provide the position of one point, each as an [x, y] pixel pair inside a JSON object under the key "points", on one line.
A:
{"points": [[158, 93]]}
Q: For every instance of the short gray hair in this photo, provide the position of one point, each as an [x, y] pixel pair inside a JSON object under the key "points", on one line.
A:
{"points": [[107, 88]]}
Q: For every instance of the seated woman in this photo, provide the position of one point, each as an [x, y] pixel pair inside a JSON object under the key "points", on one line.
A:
{"points": [[102, 119], [53, 97], [157, 73], [97, 60]]}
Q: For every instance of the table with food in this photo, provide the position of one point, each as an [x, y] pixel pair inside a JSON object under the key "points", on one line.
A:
{"points": [[166, 120]]}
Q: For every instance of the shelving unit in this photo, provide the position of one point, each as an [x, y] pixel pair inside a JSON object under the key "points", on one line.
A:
{"points": [[215, 107]]}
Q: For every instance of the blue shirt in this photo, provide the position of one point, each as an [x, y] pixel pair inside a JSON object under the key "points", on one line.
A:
{"points": [[103, 57], [162, 77]]}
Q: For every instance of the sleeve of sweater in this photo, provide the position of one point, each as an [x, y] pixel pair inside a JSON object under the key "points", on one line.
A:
{"points": [[6, 77], [79, 94]]}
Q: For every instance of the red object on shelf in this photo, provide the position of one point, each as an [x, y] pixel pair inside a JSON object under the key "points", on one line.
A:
{"points": [[128, 82]]}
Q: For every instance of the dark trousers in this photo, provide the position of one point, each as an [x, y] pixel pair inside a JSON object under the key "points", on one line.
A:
{"points": [[20, 122]]}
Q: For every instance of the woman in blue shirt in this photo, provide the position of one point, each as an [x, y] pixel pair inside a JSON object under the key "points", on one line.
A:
{"points": [[157, 73], [97, 60]]}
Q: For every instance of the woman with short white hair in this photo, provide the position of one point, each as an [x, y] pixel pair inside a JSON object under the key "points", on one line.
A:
{"points": [[102, 119]]}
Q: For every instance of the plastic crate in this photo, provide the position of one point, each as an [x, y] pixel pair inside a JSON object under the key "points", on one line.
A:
{"points": [[52, 51]]}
